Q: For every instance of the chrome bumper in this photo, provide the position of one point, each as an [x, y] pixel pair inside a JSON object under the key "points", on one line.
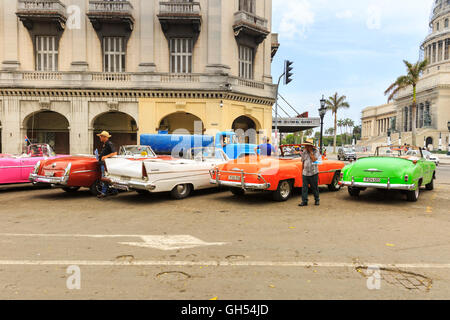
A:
{"points": [[60, 181], [128, 185], [239, 184], [387, 186]]}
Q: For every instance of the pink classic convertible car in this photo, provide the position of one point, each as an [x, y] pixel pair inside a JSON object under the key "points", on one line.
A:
{"points": [[17, 169]]}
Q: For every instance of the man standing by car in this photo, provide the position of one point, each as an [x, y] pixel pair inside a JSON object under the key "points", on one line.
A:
{"points": [[310, 158], [108, 151], [265, 149]]}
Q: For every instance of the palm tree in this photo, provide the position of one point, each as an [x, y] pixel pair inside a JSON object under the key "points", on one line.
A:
{"points": [[335, 103], [349, 124], [412, 77]]}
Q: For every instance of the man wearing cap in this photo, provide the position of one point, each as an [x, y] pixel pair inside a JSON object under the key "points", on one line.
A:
{"points": [[108, 151], [310, 156]]}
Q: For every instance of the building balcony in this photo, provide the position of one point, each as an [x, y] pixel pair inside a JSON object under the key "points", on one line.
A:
{"points": [[180, 15], [275, 44], [152, 81], [249, 24], [31, 12], [111, 12]]}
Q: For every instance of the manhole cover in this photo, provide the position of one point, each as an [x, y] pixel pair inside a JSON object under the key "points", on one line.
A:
{"points": [[173, 276], [403, 279]]}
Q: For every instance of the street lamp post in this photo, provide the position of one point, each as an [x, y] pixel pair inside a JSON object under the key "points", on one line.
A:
{"points": [[448, 125], [322, 112]]}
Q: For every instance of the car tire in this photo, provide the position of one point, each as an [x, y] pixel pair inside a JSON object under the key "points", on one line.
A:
{"points": [[71, 189], [413, 196], [181, 191], [237, 191], [354, 192], [335, 186], [283, 192], [430, 186], [95, 188]]}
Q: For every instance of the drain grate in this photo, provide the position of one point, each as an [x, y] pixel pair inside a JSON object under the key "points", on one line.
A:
{"points": [[403, 279]]}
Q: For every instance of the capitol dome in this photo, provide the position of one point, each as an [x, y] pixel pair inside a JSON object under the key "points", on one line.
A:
{"points": [[436, 46]]}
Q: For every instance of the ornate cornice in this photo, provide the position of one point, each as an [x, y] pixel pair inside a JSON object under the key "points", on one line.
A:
{"points": [[133, 94]]}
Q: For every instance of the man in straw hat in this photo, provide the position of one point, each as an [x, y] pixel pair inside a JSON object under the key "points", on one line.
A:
{"points": [[108, 151], [310, 157]]}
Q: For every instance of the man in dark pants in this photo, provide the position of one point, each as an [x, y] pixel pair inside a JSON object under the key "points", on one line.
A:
{"points": [[108, 151], [310, 172]]}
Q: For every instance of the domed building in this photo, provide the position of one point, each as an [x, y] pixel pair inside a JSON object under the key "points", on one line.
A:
{"points": [[433, 95]]}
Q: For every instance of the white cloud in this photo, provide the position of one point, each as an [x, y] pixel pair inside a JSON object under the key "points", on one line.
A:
{"points": [[296, 17], [347, 14]]}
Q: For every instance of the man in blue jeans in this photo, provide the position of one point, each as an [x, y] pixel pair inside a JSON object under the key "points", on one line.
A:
{"points": [[310, 158], [108, 151]]}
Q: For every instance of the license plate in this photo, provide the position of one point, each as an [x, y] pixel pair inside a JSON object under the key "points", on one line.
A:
{"points": [[49, 174], [234, 178], [372, 179], [125, 178]]}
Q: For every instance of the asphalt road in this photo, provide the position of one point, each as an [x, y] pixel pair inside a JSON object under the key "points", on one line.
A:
{"points": [[217, 245]]}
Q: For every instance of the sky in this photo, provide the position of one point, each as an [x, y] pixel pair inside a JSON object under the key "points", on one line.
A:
{"points": [[353, 47]]}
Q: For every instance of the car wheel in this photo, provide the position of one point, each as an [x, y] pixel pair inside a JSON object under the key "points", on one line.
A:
{"points": [[354, 192], [283, 192], [96, 188], [413, 196], [71, 189], [143, 192], [237, 191], [181, 191], [430, 186], [335, 186]]}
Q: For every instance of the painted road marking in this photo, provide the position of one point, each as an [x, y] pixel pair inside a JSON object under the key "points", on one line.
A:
{"points": [[220, 264], [164, 242]]}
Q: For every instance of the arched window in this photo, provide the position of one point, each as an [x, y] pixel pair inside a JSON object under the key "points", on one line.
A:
{"points": [[446, 23]]}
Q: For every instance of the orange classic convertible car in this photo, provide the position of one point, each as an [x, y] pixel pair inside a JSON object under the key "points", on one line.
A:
{"points": [[280, 175]]}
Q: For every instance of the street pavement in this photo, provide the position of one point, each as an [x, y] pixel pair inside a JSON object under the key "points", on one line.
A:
{"points": [[216, 245]]}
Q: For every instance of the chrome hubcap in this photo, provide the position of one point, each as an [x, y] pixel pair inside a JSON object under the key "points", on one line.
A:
{"points": [[181, 189], [285, 189]]}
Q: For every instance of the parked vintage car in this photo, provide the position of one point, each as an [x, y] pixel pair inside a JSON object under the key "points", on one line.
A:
{"points": [[17, 169], [426, 154], [75, 172], [179, 177], [392, 168], [346, 154], [277, 175]]}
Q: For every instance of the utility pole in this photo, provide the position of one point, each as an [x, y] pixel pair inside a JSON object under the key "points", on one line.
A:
{"points": [[287, 75]]}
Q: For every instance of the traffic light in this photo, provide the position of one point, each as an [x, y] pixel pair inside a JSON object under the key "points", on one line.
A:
{"points": [[287, 71]]}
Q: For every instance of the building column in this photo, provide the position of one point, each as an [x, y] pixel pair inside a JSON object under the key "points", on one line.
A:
{"points": [[443, 50], [214, 29], [435, 47], [10, 37], [78, 31], [11, 131], [146, 34], [79, 127]]}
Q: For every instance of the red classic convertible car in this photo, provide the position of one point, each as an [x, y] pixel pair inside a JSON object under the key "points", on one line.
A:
{"points": [[278, 175], [75, 172]]}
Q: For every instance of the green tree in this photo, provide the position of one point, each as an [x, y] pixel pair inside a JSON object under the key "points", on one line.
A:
{"points": [[340, 125], [412, 77]]}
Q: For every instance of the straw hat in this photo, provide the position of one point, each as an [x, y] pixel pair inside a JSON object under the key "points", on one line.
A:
{"points": [[309, 142], [104, 134]]}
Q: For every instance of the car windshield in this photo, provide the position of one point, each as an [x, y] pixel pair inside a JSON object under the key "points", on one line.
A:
{"points": [[348, 150], [137, 151], [291, 151], [40, 150], [398, 151], [205, 154]]}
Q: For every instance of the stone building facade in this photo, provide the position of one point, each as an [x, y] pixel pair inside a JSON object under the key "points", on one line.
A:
{"points": [[433, 95], [72, 68]]}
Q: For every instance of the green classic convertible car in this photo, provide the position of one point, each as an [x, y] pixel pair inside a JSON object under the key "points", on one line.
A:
{"points": [[392, 168]]}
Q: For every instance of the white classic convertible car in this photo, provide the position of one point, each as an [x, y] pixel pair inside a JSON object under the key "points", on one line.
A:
{"points": [[178, 176]]}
